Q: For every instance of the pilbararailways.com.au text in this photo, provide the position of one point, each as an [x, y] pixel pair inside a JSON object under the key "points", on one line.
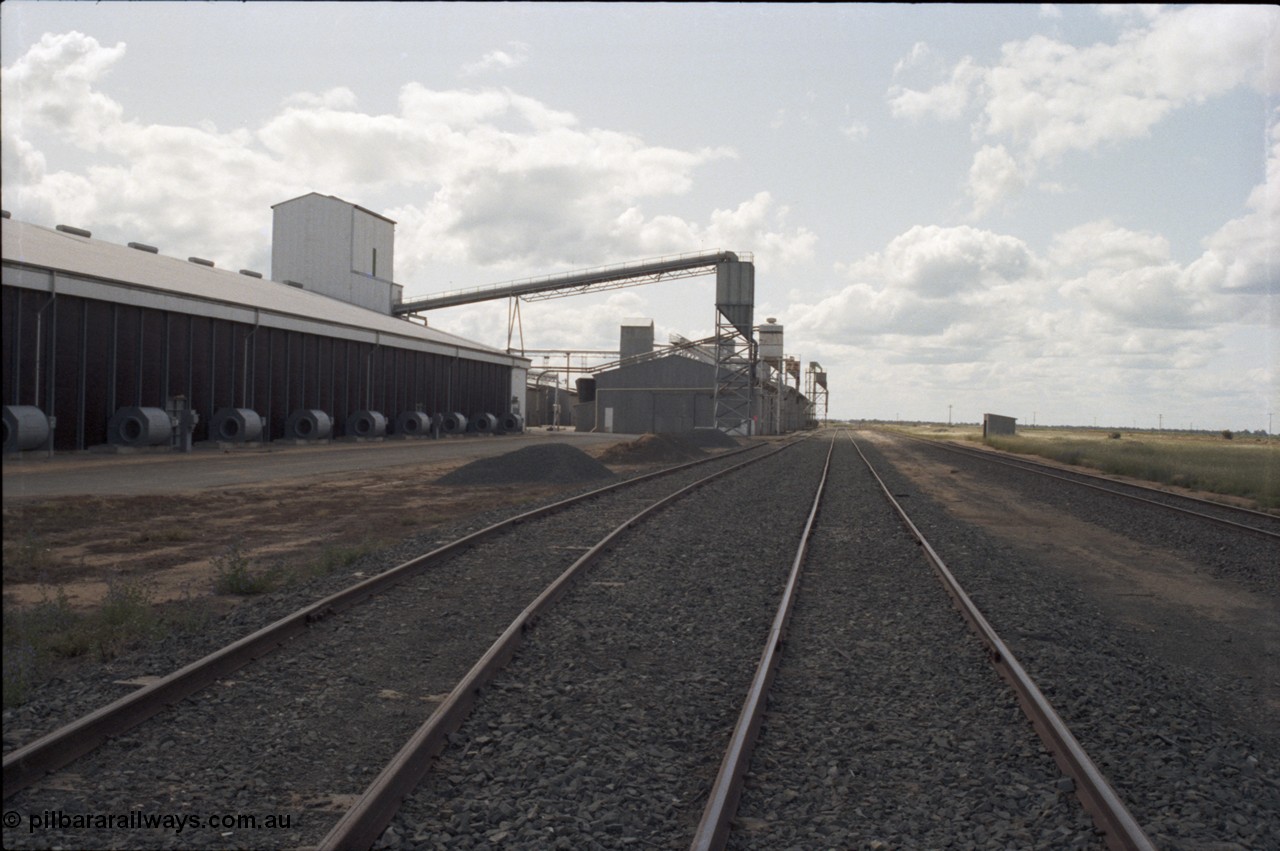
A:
{"points": [[137, 820]]}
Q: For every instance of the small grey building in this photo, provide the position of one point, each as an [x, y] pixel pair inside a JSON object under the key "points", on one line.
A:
{"points": [[993, 424], [672, 392]]}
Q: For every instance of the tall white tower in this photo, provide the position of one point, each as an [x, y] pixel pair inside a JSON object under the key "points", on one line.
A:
{"points": [[335, 248]]}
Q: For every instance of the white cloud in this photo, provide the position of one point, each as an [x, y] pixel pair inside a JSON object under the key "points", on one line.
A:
{"points": [[933, 294], [947, 100], [937, 262], [491, 177], [335, 98], [993, 178], [919, 54], [1105, 245], [1143, 297], [1243, 256], [975, 316], [516, 54], [1052, 97], [1048, 97], [51, 88]]}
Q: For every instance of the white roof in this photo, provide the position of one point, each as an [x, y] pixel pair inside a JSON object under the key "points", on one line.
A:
{"points": [[339, 200], [92, 268]]}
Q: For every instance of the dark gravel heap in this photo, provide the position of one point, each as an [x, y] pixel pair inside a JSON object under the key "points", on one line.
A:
{"points": [[653, 449], [552, 463], [709, 438]]}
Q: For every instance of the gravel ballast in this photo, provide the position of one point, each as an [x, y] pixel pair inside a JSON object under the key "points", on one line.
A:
{"points": [[887, 727], [607, 728], [1159, 727], [303, 731]]}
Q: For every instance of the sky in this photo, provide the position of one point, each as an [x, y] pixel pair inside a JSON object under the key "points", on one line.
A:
{"points": [[1067, 214]]}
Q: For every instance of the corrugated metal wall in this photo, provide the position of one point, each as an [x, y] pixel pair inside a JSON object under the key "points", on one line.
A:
{"points": [[539, 406], [93, 357], [670, 394]]}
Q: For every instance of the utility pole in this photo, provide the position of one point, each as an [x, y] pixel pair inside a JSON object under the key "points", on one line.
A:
{"points": [[948, 415]]}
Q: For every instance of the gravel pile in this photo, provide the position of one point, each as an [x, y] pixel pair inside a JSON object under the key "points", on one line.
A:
{"points": [[1161, 730], [709, 438], [887, 727], [653, 449], [551, 463]]}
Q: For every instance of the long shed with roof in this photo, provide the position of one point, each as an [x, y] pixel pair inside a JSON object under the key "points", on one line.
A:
{"points": [[91, 328]]}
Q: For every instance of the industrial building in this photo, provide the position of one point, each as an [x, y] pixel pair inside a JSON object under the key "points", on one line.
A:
{"points": [[733, 382], [674, 389], [119, 345], [107, 344]]}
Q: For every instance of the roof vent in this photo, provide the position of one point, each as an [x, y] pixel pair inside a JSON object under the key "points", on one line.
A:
{"points": [[251, 273], [74, 231], [142, 246], [200, 260]]}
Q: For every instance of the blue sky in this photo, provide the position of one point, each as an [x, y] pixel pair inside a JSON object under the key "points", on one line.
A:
{"points": [[1060, 213]]}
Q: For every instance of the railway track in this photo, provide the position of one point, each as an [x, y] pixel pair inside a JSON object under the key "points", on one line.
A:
{"points": [[873, 764], [605, 727], [346, 654], [572, 751]]}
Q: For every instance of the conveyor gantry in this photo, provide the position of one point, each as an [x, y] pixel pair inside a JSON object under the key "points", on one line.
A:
{"points": [[586, 280]]}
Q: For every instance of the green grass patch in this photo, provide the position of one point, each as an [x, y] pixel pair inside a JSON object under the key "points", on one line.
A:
{"points": [[1247, 469], [339, 557], [234, 573], [37, 637]]}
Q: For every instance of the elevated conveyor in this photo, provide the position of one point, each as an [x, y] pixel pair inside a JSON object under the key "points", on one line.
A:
{"points": [[581, 281]]}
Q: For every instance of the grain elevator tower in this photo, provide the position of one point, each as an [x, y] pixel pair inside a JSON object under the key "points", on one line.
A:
{"points": [[337, 249]]}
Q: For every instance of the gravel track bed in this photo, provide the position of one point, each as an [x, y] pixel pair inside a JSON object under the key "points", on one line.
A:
{"points": [[306, 728], [1268, 522], [886, 723], [1192, 777], [607, 727], [1246, 558]]}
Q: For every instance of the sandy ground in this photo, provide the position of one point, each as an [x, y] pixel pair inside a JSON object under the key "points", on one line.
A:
{"points": [[172, 540]]}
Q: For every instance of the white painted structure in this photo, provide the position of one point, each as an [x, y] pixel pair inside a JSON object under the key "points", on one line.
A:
{"points": [[337, 249]]}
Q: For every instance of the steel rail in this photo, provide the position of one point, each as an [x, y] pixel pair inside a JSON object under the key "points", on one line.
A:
{"points": [[62, 746], [1110, 816], [361, 825], [1029, 465], [722, 803]]}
